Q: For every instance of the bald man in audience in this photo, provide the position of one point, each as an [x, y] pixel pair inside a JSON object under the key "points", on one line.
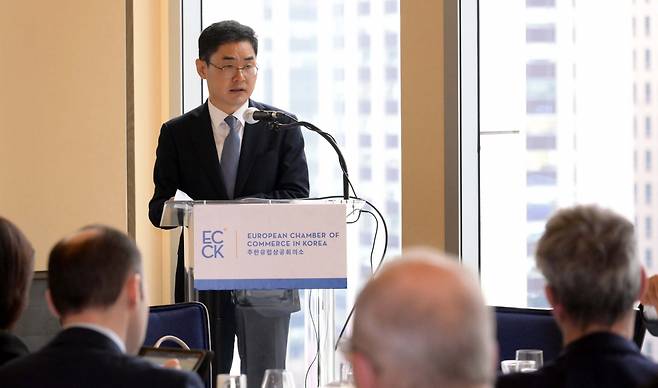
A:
{"points": [[422, 323], [593, 279], [97, 289]]}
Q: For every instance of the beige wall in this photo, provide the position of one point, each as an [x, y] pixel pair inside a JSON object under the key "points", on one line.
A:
{"points": [[423, 181], [62, 117]]}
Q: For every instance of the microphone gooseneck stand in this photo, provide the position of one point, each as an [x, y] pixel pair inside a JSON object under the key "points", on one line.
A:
{"points": [[343, 166]]}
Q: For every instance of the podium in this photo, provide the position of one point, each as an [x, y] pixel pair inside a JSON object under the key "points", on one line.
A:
{"points": [[263, 244]]}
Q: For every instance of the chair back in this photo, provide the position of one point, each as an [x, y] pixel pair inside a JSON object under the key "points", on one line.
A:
{"points": [[180, 324], [526, 328], [187, 321]]}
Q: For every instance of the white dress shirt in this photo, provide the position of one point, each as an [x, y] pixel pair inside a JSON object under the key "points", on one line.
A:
{"points": [[220, 129]]}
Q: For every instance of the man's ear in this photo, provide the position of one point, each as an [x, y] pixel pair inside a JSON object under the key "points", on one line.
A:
{"points": [[558, 310], [51, 305], [134, 289], [363, 370], [201, 68]]}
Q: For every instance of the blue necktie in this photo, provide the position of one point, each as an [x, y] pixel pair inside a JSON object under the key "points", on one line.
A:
{"points": [[230, 156]]}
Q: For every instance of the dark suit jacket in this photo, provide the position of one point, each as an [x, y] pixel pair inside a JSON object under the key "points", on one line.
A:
{"points": [[272, 165], [11, 347], [79, 357], [599, 360]]}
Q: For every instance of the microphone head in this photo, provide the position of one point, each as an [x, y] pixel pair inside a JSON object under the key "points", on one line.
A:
{"points": [[249, 115]]}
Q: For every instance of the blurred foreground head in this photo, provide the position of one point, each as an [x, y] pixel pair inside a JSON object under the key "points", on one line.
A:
{"points": [[422, 322]]}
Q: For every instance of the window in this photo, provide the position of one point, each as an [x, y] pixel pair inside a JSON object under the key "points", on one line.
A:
{"points": [[540, 3], [647, 25], [647, 127], [304, 69], [364, 74], [364, 8], [648, 258], [391, 107], [648, 227], [391, 7], [392, 141], [540, 92], [647, 59], [647, 160], [392, 74], [544, 145], [392, 174], [364, 107], [365, 141], [647, 93], [647, 193], [540, 33], [541, 142]]}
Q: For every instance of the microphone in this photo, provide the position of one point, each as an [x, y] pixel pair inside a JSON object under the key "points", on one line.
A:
{"points": [[253, 115]]}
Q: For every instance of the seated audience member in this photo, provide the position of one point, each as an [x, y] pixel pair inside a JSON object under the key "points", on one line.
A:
{"points": [[593, 279], [16, 269], [422, 322], [97, 289]]}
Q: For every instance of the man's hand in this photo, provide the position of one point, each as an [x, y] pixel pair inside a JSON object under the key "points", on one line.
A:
{"points": [[172, 363], [650, 297]]}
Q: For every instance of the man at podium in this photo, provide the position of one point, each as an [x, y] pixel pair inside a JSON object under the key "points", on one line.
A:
{"points": [[211, 153]]}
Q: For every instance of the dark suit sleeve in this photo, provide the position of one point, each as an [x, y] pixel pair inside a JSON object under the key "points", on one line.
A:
{"points": [[165, 174], [292, 172], [194, 381]]}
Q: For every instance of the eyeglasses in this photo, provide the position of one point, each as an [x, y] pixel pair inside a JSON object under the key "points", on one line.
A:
{"points": [[230, 71]]}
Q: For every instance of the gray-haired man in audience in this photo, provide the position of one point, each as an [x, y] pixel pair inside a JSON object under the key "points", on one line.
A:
{"points": [[421, 323], [593, 279]]}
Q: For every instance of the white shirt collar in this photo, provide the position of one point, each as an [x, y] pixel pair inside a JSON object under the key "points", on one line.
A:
{"points": [[102, 330], [217, 115]]}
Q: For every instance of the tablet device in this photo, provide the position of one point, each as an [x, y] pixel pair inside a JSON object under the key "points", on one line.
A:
{"points": [[190, 360]]}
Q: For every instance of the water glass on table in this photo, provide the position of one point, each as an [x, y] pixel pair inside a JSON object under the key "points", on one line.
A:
{"points": [[231, 381], [535, 355], [278, 378], [517, 366]]}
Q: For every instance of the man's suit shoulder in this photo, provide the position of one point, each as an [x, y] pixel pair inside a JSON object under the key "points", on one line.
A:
{"points": [[92, 368], [186, 119]]}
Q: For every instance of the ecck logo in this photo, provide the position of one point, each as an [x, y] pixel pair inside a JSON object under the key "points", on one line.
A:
{"points": [[212, 244]]}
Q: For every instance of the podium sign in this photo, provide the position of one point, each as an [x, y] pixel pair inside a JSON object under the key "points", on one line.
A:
{"points": [[267, 246]]}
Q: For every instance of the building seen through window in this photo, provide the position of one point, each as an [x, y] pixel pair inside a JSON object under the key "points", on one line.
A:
{"points": [[567, 106]]}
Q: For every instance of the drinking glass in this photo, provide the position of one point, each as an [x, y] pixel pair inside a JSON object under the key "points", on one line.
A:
{"points": [[535, 355], [517, 366], [278, 378], [231, 381]]}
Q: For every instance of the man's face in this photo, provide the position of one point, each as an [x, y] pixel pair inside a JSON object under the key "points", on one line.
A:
{"points": [[229, 89]]}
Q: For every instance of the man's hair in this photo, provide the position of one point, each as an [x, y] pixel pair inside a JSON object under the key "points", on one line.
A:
{"points": [[16, 266], [587, 255], [424, 313], [89, 269], [227, 31]]}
